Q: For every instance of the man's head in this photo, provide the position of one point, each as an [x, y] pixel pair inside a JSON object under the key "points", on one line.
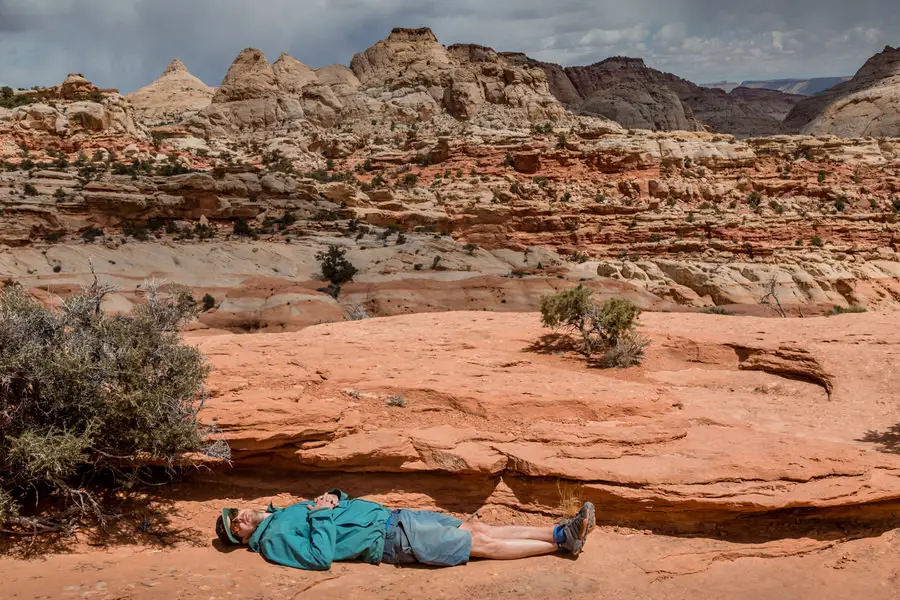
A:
{"points": [[235, 527]]}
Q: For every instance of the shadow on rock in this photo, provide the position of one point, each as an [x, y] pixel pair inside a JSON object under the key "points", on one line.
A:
{"points": [[553, 343], [888, 441]]}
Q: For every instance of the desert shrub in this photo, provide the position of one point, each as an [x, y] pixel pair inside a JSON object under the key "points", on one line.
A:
{"points": [[204, 231], [470, 248], [627, 351], [716, 310], [600, 326], [91, 234], [209, 302], [754, 200], [30, 190], [335, 266], [410, 180], [816, 241], [84, 394], [9, 99], [241, 228], [397, 402], [135, 230], [357, 312], [59, 194], [840, 310]]}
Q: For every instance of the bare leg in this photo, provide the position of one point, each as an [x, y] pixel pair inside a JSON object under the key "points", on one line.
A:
{"points": [[510, 532], [488, 547]]}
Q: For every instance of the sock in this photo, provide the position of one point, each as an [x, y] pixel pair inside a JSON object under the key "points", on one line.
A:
{"points": [[559, 536]]}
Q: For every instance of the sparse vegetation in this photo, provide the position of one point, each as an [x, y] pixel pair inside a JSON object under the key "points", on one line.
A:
{"points": [[754, 200], [335, 266], [30, 190], [241, 228], [397, 402], [91, 234], [608, 327], [841, 310], [716, 310], [86, 392], [209, 302]]}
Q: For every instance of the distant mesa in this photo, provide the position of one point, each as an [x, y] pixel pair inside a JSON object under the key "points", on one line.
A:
{"points": [[802, 87]]}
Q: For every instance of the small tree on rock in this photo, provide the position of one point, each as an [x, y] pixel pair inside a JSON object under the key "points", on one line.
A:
{"points": [[335, 266], [604, 327]]}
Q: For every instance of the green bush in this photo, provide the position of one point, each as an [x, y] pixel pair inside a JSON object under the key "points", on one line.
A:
{"points": [[91, 234], [600, 326], [242, 228], [209, 302], [86, 393], [30, 190], [335, 267]]}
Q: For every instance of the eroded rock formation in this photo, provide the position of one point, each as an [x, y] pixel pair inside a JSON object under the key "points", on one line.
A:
{"points": [[866, 105], [174, 97]]}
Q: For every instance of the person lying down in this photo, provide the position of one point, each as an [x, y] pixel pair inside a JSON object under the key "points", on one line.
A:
{"points": [[335, 528]]}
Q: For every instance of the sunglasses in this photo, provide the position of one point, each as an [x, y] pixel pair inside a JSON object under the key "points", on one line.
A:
{"points": [[233, 525]]}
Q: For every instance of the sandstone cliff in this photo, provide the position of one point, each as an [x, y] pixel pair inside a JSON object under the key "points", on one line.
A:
{"points": [[408, 78], [636, 96], [866, 105], [175, 96], [72, 114]]}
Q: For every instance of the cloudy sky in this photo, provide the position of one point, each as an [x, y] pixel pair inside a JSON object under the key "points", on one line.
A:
{"points": [[128, 43]]}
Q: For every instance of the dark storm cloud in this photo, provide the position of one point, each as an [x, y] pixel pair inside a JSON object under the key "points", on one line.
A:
{"points": [[127, 43]]}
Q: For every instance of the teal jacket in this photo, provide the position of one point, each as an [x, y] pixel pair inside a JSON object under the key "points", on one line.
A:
{"points": [[312, 539]]}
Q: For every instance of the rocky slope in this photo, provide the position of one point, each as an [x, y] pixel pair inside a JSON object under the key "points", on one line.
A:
{"points": [[70, 116], [695, 220], [866, 105], [464, 147], [408, 78], [636, 96], [172, 98]]}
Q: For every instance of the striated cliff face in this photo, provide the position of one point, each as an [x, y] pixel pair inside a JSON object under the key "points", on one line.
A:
{"points": [[866, 105], [636, 96]]}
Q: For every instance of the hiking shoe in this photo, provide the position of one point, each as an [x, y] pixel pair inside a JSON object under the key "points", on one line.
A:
{"points": [[577, 528]]}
